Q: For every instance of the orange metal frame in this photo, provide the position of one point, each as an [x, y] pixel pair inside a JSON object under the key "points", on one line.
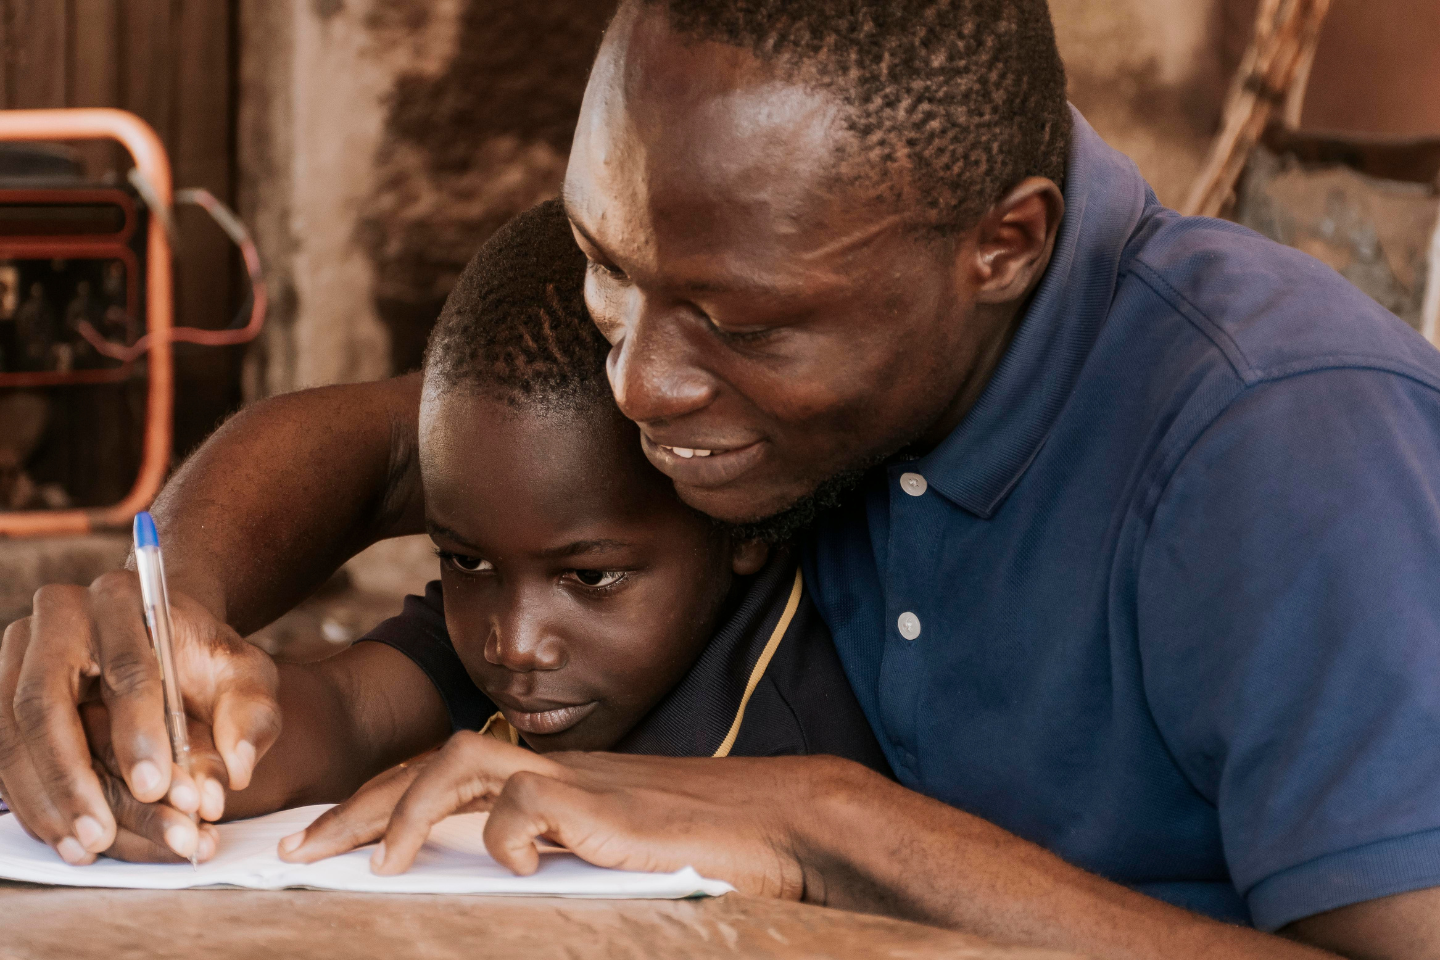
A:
{"points": [[150, 159]]}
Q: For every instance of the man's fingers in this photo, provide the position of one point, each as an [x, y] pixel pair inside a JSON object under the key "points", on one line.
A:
{"points": [[468, 768], [130, 684], [354, 823], [46, 704], [246, 716], [22, 791]]}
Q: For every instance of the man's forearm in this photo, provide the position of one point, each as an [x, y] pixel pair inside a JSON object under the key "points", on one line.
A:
{"points": [[873, 846], [287, 491]]}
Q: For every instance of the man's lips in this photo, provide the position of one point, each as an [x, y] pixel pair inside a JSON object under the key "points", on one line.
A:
{"points": [[702, 466], [541, 718]]}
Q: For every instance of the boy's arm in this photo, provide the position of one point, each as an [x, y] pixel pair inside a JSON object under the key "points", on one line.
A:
{"points": [[346, 719]]}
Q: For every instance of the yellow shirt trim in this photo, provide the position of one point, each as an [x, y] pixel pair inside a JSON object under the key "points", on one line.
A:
{"points": [[499, 728], [791, 606]]}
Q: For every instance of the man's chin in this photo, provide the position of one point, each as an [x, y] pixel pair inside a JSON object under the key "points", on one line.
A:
{"points": [[781, 516]]}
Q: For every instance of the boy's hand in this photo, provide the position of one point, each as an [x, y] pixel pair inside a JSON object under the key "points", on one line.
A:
{"points": [[431, 788], [726, 818], [83, 646]]}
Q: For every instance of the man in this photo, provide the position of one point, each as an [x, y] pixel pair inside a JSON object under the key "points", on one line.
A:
{"points": [[1133, 587]]}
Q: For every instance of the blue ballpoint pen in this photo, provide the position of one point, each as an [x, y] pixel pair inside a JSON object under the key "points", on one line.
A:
{"points": [[156, 600]]}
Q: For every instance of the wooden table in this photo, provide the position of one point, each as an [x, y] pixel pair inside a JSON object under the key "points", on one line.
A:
{"points": [[81, 924]]}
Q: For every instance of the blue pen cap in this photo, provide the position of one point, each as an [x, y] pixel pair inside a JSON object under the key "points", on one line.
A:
{"points": [[145, 535]]}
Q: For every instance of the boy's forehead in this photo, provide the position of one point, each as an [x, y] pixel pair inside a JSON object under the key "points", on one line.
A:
{"points": [[490, 465]]}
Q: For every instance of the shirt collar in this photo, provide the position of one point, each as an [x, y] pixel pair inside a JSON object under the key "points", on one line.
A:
{"points": [[978, 465], [693, 719]]}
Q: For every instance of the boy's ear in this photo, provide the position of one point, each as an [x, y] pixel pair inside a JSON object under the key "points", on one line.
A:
{"points": [[748, 556]]}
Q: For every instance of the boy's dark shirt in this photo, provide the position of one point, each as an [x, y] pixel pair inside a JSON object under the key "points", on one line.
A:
{"points": [[801, 704]]}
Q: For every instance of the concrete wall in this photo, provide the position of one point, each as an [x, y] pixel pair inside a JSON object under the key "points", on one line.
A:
{"points": [[381, 142]]}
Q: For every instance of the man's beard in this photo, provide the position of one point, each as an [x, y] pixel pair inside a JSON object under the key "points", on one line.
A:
{"points": [[800, 516]]}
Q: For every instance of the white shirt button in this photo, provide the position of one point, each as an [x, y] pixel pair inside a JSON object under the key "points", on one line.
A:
{"points": [[909, 625], [913, 484]]}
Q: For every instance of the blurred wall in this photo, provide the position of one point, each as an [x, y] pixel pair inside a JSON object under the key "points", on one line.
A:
{"points": [[381, 141]]}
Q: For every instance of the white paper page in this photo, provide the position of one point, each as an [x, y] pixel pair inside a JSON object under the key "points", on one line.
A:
{"points": [[454, 860]]}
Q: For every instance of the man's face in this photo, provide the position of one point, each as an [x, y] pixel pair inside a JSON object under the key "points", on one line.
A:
{"points": [[763, 305]]}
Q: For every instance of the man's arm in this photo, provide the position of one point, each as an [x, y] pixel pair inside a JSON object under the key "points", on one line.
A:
{"points": [[829, 831], [287, 491], [264, 512]]}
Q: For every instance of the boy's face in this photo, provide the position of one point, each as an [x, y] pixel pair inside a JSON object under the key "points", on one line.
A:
{"points": [[578, 588]]}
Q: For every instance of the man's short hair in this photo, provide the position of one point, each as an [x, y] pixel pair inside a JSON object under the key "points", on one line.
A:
{"points": [[965, 98], [515, 325]]}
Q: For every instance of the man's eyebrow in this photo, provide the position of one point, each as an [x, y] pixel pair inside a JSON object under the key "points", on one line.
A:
{"points": [[582, 546], [441, 530]]}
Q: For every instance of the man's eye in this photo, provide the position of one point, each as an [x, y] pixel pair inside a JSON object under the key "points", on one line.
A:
{"points": [[613, 273], [598, 578], [466, 564]]}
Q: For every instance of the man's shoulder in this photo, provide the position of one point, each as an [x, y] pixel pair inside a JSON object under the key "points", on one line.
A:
{"points": [[1271, 311]]}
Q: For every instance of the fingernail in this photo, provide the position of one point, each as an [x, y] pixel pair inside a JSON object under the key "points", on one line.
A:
{"points": [[70, 851], [146, 777], [245, 755], [292, 843], [206, 847], [214, 797], [181, 838], [89, 831], [377, 859], [184, 797]]}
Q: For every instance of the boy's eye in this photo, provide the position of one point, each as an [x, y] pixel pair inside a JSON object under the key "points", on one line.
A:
{"points": [[598, 578], [465, 563]]}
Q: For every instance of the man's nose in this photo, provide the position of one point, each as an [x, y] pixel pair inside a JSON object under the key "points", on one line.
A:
{"points": [[523, 642], [654, 369]]}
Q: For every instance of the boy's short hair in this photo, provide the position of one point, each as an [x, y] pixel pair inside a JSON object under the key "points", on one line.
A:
{"points": [[515, 327]]}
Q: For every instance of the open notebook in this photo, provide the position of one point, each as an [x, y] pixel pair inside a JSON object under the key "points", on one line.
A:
{"points": [[453, 861]]}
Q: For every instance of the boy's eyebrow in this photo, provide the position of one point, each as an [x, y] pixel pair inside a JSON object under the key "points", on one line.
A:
{"points": [[582, 546], [444, 531]]}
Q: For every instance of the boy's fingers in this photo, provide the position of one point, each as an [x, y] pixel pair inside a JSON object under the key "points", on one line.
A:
{"points": [[468, 768], [208, 772], [138, 849], [130, 684], [47, 721], [354, 823], [157, 824]]}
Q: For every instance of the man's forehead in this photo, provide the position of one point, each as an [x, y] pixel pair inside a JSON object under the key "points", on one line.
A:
{"points": [[676, 135]]}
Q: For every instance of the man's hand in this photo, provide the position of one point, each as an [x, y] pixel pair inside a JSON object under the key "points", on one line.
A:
{"points": [[723, 817], [85, 645]]}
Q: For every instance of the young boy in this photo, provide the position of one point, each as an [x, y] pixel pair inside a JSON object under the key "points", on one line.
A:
{"points": [[581, 604]]}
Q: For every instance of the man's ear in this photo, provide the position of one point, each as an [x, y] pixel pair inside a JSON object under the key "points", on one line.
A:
{"points": [[748, 556], [1014, 240]]}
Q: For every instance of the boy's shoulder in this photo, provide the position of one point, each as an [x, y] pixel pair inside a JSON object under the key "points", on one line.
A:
{"points": [[769, 683]]}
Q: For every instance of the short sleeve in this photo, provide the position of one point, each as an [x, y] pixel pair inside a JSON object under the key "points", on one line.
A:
{"points": [[1288, 605], [419, 633]]}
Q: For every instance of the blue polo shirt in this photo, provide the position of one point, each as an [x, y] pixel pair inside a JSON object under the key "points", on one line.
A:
{"points": [[1167, 601]]}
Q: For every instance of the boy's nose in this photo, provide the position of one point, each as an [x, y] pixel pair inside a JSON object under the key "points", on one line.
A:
{"points": [[523, 645]]}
